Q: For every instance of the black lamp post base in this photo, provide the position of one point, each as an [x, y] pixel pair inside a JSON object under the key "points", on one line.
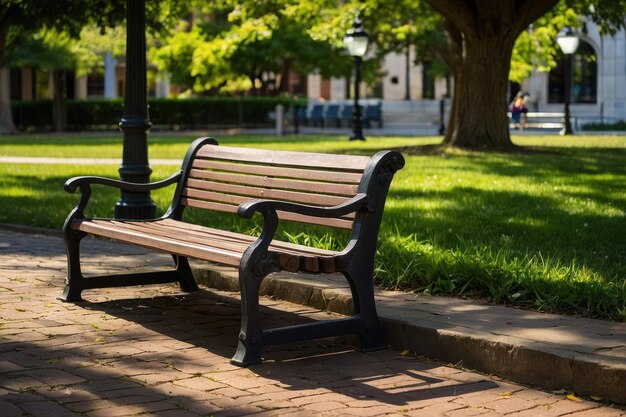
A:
{"points": [[137, 210], [356, 137]]}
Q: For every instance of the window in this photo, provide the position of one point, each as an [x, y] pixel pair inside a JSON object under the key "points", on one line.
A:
{"points": [[428, 81], [584, 77], [95, 85], [15, 78]]}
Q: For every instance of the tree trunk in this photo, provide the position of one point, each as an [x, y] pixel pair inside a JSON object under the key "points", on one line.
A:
{"points": [[455, 57], [486, 31], [480, 119], [59, 119], [285, 77], [6, 115]]}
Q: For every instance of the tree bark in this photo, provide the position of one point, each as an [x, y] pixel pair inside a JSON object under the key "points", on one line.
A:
{"points": [[455, 57], [6, 115], [486, 31], [480, 103], [284, 78], [59, 119]]}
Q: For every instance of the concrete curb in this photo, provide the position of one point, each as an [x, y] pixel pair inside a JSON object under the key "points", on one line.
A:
{"points": [[420, 324]]}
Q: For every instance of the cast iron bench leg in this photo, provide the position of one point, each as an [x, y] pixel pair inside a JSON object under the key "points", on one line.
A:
{"points": [[185, 276], [250, 335], [73, 282], [361, 282]]}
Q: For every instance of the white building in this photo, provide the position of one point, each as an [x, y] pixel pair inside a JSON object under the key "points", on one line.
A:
{"points": [[598, 85], [598, 80]]}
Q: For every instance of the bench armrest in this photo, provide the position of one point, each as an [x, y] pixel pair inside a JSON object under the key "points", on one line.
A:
{"points": [[73, 184], [85, 183], [256, 254], [247, 209]]}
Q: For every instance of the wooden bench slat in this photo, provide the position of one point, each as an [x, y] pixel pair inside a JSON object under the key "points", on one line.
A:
{"points": [[285, 158], [190, 227], [211, 241], [332, 222], [269, 182], [212, 237], [166, 237], [322, 221], [283, 172], [311, 199], [190, 202], [160, 243]]}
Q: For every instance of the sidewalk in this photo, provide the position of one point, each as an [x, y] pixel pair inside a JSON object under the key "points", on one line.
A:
{"points": [[159, 352]]}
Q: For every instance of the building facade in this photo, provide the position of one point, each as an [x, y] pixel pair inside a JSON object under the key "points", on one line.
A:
{"points": [[598, 80], [407, 90]]}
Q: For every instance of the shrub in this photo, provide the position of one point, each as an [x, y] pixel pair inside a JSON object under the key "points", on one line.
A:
{"points": [[619, 125], [170, 113]]}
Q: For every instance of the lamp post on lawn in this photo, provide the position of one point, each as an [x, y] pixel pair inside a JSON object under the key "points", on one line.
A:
{"points": [[356, 41], [135, 121], [568, 42]]}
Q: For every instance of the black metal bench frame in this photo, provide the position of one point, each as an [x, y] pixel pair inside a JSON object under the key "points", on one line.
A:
{"points": [[259, 258]]}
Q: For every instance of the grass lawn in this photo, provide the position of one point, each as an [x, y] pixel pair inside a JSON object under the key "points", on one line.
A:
{"points": [[544, 229]]}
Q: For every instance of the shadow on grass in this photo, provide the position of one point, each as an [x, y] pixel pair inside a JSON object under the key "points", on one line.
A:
{"points": [[486, 228], [565, 215]]}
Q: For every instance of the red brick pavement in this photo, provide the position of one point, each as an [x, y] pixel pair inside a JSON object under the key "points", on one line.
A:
{"points": [[159, 352]]}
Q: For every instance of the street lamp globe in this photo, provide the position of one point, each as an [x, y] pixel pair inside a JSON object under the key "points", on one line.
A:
{"points": [[356, 40], [567, 40]]}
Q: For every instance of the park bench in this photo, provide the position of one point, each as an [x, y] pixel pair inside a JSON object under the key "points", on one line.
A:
{"points": [[332, 115], [317, 115], [541, 120], [342, 191], [373, 112], [346, 114]]}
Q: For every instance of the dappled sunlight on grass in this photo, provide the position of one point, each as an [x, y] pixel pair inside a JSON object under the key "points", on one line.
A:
{"points": [[542, 228]]}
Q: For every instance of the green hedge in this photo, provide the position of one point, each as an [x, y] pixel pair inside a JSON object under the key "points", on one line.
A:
{"points": [[620, 125], [171, 113]]}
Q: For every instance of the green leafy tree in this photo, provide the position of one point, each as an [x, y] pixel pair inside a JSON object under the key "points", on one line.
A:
{"points": [[481, 43], [51, 51], [19, 19], [231, 44], [482, 36]]}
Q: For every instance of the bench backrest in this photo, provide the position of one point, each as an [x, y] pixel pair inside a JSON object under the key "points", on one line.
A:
{"points": [[373, 111], [317, 112], [221, 178], [332, 111]]}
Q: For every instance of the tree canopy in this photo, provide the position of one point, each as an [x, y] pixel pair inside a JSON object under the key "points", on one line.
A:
{"points": [[231, 45], [22, 23]]}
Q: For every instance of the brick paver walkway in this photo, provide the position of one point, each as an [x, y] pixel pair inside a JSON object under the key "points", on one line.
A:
{"points": [[156, 351]]}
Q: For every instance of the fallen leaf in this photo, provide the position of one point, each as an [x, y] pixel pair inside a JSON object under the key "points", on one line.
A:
{"points": [[405, 352], [596, 398], [560, 391], [572, 397], [506, 394]]}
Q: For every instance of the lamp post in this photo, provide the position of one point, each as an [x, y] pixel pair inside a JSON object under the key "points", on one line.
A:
{"points": [[568, 42], [135, 121], [356, 41]]}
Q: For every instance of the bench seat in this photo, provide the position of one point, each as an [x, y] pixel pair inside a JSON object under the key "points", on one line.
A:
{"points": [[205, 243]]}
